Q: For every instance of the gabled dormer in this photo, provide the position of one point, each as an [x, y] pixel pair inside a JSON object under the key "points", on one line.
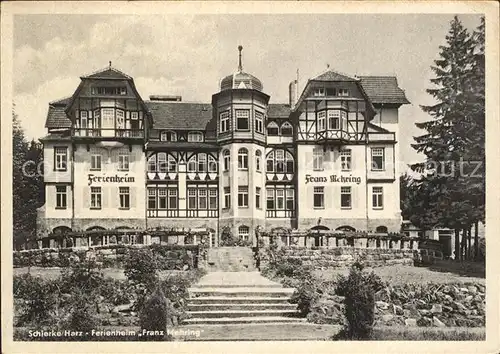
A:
{"points": [[107, 106]]}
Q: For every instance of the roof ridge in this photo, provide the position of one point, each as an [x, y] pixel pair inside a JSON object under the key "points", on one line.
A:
{"points": [[58, 101], [106, 69], [336, 72]]}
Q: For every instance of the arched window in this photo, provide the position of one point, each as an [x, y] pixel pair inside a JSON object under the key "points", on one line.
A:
{"points": [[242, 159], [286, 129], [258, 162], [244, 232], [212, 164], [197, 163], [280, 161], [345, 228], [95, 228], [273, 129], [227, 159], [195, 137], [381, 229], [168, 136], [61, 230], [162, 163]]}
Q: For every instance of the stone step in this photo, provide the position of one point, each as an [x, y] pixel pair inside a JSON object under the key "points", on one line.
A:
{"points": [[241, 291], [242, 307], [241, 313], [238, 300], [244, 319]]}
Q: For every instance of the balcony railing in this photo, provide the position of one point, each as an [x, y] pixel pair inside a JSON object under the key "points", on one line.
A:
{"points": [[113, 133], [182, 213]]}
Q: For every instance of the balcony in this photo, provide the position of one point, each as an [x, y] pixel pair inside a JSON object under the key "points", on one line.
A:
{"points": [[108, 133], [333, 136]]}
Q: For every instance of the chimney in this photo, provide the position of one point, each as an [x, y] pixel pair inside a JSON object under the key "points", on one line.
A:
{"points": [[292, 93], [165, 98]]}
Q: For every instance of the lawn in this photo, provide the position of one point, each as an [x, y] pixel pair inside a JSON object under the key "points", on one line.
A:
{"points": [[399, 275]]}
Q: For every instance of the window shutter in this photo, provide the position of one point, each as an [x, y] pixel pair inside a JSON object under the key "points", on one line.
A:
{"points": [[86, 197], [133, 196]]}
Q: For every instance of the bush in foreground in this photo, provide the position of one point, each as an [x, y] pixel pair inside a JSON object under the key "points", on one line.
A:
{"points": [[154, 316], [358, 289]]}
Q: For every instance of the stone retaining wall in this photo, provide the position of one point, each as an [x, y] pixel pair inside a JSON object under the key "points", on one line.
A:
{"points": [[341, 257], [170, 257]]}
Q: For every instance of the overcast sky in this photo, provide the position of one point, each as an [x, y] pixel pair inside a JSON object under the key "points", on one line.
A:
{"points": [[188, 55]]}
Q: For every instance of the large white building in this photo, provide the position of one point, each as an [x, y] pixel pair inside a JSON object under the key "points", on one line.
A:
{"points": [[328, 156]]}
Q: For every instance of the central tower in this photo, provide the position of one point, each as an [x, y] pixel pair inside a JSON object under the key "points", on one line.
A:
{"points": [[240, 109]]}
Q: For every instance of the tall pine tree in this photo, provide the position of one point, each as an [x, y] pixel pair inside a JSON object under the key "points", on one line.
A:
{"points": [[454, 138]]}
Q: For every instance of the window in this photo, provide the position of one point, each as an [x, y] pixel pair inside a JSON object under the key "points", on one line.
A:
{"points": [[280, 161], [290, 199], [202, 199], [286, 129], [319, 197], [109, 91], [257, 197], [318, 92], [123, 162], [280, 199], [273, 129], [242, 159], [378, 159], [83, 119], [95, 198], [321, 121], [377, 197], [334, 120], [124, 197], [197, 163], [195, 137], [162, 162], [191, 198], [331, 92], [224, 121], [108, 117], [202, 162], [258, 158], [120, 119], [60, 158], [227, 197], [171, 164], [151, 198], [172, 198], [242, 118], [243, 232], [270, 199], [212, 198], [318, 159], [243, 196], [345, 159], [61, 197], [95, 162], [343, 92], [152, 164], [227, 159], [212, 164], [162, 198], [259, 122], [168, 136], [345, 197], [134, 115]]}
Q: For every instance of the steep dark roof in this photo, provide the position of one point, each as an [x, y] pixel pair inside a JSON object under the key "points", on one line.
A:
{"points": [[278, 110], [56, 137], [331, 75], [180, 115], [108, 73], [57, 118], [383, 89]]}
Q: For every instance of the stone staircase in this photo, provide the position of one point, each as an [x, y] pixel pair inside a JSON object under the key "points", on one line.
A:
{"points": [[240, 297], [230, 259]]}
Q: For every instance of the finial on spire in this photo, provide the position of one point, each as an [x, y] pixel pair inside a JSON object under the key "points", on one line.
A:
{"points": [[110, 63], [240, 67], [327, 66]]}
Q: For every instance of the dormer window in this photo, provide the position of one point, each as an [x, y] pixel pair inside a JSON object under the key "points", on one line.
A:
{"points": [[195, 137], [286, 129], [273, 129], [343, 92], [318, 92], [168, 136], [110, 91]]}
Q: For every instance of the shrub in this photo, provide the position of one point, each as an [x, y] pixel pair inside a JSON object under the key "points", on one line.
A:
{"points": [[116, 292], [39, 299], [153, 317], [359, 290], [83, 314], [141, 267], [84, 276]]}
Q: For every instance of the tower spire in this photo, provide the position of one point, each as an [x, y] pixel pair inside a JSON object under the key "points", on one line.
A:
{"points": [[240, 67]]}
